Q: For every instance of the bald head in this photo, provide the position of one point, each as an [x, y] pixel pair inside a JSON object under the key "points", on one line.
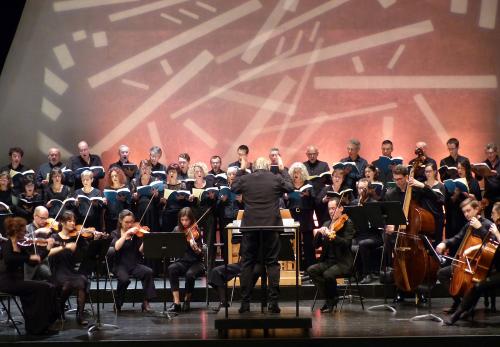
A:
{"points": [[83, 149], [312, 154], [40, 216], [54, 155]]}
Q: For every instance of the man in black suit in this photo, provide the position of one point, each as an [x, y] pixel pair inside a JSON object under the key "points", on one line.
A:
{"points": [[261, 191]]}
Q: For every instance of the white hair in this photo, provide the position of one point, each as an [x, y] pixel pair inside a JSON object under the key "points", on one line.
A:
{"points": [[261, 163], [300, 167]]}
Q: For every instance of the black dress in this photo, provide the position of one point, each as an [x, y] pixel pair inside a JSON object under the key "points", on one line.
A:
{"points": [[37, 298], [94, 218], [55, 206]]}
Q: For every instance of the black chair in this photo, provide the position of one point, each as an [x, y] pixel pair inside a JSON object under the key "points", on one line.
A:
{"points": [[6, 308]]}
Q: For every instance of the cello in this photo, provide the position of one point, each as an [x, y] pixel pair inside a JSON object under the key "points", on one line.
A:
{"points": [[412, 264]]}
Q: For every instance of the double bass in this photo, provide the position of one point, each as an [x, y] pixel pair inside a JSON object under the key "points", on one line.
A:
{"points": [[413, 266], [474, 267]]}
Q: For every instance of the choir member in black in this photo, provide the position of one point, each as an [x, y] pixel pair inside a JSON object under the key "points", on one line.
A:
{"points": [[39, 228], [479, 227], [215, 164], [368, 238], [453, 159], [90, 209], [316, 167], [464, 171], [7, 206], [56, 192], [421, 151], [116, 179], [129, 168], [352, 177], [207, 200], [28, 199], [277, 162], [338, 185], [148, 215], [44, 171], [16, 156], [155, 154], [261, 192], [129, 251], [301, 206], [387, 148], [242, 152], [38, 298], [431, 196], [183, 161], [372, 173], [173, 206], [491, 183], [63, 261], [336, 255], [190, 265], [228, 205], [85, 159]]}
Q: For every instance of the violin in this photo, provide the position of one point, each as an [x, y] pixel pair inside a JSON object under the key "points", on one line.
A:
{"points": [[53, 224], [337, 225], [141, 230], [192, 234], [30, 242], [86, 233]]}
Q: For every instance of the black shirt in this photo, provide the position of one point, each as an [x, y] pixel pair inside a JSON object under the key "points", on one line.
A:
{"points": [[77, 162], [450, 162], [128, 256]]}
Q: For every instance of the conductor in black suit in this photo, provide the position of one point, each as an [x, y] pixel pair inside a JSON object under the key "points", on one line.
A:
{"points": [[261, 191]]}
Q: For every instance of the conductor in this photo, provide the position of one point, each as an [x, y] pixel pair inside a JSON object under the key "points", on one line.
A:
{"points": [[261, 191]]}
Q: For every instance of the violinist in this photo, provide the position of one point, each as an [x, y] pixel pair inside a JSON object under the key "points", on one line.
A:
{"points": [[338, 185], [89, 202], [116, 180], [172, 207], [190, 265], [335, 239], [129, 251], [300, 202], [480, 227], [368, 239], [56, 192], [63, 261], [38, 298], [39, 228], [146, 205]]}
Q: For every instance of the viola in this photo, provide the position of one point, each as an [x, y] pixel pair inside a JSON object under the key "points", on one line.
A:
{"points": [[53, 224], [192, 234]]}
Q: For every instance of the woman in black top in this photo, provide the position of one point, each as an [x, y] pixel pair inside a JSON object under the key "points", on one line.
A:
{"points": [[339, 184], [301, 205], [63, 263], [129, 251], [190, 265], [28, 199], [116, 180], [37, 298], [89, 202], [149, 216], [174, 205], [57, 191]]}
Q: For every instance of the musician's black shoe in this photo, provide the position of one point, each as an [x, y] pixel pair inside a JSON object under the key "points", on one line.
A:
{"points": [[219, 307], [274, 308], [453, 318], [329, 305], [366, 280], [175, 308], [399, 298], [245, 307], [421, 299], [186, 306], [453, 308]]}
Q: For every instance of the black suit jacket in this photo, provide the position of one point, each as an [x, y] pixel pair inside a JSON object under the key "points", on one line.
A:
{"points": [[261, 192]]}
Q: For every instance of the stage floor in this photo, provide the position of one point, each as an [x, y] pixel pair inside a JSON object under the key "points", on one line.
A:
{"points": [[352, 326]]}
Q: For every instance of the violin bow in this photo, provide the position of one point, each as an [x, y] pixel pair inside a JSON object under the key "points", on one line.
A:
{"points": [[84, 220]]}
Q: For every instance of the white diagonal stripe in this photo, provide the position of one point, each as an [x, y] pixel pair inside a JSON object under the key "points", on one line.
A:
{"points": [[206, 6], [200, 133], [396, 56], [386, 3], [431, 117], [69, 5], [63, 56], [54, 82], [135, 84], [171, 18], [136, 11], [50, 110], [488, 14], [358, 64], [458, 6]]}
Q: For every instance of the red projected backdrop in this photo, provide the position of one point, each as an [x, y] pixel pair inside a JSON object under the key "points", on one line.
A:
{"points": [[205, 76]]}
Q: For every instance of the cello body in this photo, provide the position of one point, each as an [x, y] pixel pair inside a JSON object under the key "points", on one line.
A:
{"points": [[471, 268]]}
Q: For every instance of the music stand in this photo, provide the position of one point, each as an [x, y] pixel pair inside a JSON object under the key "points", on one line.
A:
{"points": [[96, 253], [381, 214], [432, 252], [162, 246]]}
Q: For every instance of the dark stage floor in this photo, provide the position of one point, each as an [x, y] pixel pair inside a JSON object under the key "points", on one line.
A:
{"points": [[352, 327]]}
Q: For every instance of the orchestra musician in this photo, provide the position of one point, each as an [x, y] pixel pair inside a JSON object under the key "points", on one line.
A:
{"points": [[63, 259], [128, 254], [480, 227], [261, 192], [353, 148], [171, 208], [38, 298], [39, 228], [43, 173], [453, 159], [56, 190], [335, 239], [89, 211], [85, 159], [316, 167], [190, 265], [301, 206], [116, 180]]}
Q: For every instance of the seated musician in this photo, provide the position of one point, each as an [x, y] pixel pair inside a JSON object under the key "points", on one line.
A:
{"points": [[479, 227], [39, 228], [63, 261], [336, 255], [190, 265], [129, 251], [38, 298]]}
